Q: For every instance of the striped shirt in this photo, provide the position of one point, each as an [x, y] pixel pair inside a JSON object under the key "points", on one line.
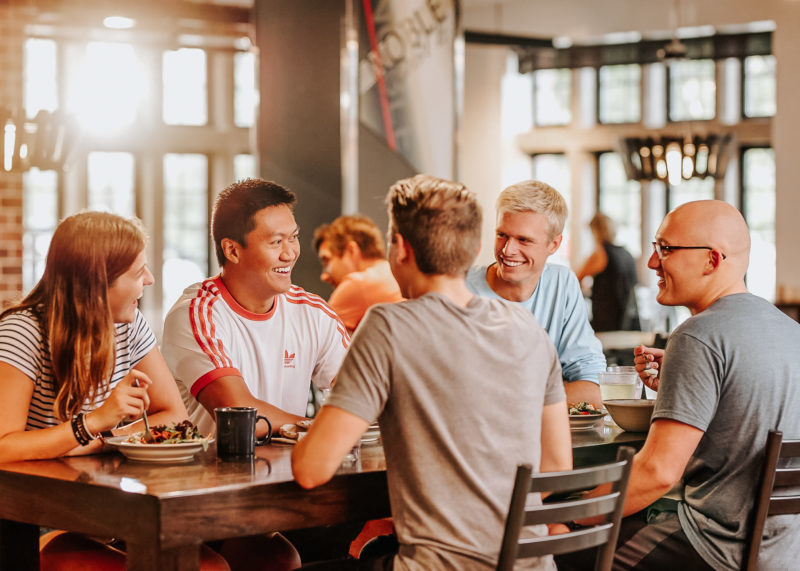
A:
{"points": [[208, 335], [23, 346]]}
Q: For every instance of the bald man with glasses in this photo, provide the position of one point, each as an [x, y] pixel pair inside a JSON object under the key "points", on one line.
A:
{"points": [[728, 375]]}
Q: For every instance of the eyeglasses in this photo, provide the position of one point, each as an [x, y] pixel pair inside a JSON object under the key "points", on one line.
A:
{"points": [[661, 249]]}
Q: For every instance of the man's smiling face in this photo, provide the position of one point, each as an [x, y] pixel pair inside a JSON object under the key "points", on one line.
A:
{"points": [[521, 247]]}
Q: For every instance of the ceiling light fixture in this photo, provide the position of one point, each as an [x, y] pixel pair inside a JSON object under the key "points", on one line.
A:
{"points": [[674, 159], [119, 22]]}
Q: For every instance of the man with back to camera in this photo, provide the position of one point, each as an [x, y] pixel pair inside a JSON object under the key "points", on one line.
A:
{"points": [[353, 258], [427, 369], [248, 337], [530, 220], [727, 377]]}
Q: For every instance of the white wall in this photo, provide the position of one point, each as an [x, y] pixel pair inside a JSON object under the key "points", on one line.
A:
{"points": [[590, 20]]}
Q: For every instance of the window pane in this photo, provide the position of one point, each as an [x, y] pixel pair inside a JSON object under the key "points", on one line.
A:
{"points": [[759, 86], [111, 183], [621, 200], [245, 96], [41, 90], [619, 95], [554, 170], [106, 91], [689, 190], [39, 220], [552, 89], [244, 166], [758, 204], [692, 90], [185, 92], [185, 224]]}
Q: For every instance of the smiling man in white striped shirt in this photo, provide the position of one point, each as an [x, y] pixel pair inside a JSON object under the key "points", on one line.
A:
{"points": [[248, 337]]}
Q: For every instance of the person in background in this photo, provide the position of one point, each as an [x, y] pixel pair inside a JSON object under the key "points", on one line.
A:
{"points": [[79, 363], [427, 369], [530, 220], [249, 337], [726, 378], [353, 258], [614, 272]]}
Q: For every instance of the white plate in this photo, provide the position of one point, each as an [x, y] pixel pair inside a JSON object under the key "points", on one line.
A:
{"points": [[178, 452], [372, 434], [585, 421]]}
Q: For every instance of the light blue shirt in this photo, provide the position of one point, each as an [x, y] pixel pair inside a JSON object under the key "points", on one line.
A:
{"points": [[558, 306]]}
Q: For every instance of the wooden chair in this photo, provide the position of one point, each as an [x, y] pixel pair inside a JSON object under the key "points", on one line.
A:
{"points": [[767, 502], [609, 505]]}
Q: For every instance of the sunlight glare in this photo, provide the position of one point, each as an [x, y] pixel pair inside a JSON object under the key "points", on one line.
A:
{"points": [[108, 87]]}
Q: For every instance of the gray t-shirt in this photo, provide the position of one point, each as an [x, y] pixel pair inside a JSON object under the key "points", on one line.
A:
{"points": [[458, 393], [731, 371]]}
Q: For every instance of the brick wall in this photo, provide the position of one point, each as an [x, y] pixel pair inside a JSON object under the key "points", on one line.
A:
{"points": [[13, 15]]}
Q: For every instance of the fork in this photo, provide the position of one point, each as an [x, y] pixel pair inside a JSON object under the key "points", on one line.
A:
{"points": [[147, 436]]}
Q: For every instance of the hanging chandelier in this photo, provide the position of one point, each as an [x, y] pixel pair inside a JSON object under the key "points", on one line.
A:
{"points": [[673, 159]]}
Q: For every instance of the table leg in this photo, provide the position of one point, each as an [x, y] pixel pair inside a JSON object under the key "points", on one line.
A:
{"points": [[148, 557], [19, 546]]}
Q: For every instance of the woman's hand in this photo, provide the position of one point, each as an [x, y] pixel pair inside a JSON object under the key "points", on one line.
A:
{"points": [[648, 364], [127, 401]]}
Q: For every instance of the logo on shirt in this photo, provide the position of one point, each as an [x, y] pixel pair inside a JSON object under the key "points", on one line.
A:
{"points": [[288, 360]]}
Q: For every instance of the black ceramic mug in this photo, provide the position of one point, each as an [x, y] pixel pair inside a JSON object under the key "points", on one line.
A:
{"points": [[236, 431]]}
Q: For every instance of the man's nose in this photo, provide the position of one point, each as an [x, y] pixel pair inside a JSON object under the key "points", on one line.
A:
{"points": [[653, 262], [509, 247], [326, 277]]}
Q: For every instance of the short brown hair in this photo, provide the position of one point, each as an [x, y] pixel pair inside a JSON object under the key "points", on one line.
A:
{"points": [[440, 219], [604, 227], [356, 228], [236, 206]]}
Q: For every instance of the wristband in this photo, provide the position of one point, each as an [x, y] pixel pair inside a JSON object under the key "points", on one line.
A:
{"points": [[79, 430]]}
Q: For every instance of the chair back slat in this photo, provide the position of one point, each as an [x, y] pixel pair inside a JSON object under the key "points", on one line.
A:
{"points": [[578, 479], [786, 477], [566, 543], [572, 509], [769, 500], [608, 507], [782, 505]]}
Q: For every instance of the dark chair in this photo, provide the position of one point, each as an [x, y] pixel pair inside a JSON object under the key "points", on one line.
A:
{"points": [[562, 510], [773, 477]]}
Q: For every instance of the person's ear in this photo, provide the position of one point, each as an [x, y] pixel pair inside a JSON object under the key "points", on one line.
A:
{"points": [[554, 245], [403, 248], [714, 259], [231, 250], [352, 249]]}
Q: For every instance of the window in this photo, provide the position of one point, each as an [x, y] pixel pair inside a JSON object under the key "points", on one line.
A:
{"points": [[692, 90], [621, 200], [552, 94], [111, 183], [184, 80], [759, 86], [554, 170], [40, 79], [40, 217], [245, 97], [619, 94], [758, 207], [107, 89], [244, 166], [689, 190], [185, 224]]}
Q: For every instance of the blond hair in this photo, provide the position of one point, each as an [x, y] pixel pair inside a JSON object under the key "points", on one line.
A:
{"points": [[535, 196]]}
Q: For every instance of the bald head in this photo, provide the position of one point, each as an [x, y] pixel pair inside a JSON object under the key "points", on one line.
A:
{"points": [[716, 224]]}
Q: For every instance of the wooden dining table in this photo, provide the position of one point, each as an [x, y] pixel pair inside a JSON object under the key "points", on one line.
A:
{"points": [[165, 511]]}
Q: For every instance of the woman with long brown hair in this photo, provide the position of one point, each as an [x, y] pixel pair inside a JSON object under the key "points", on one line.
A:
{"points": [[78, 360]]}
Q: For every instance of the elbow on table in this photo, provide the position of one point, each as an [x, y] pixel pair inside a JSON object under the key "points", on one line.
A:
{"points": [[307, 474]]}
